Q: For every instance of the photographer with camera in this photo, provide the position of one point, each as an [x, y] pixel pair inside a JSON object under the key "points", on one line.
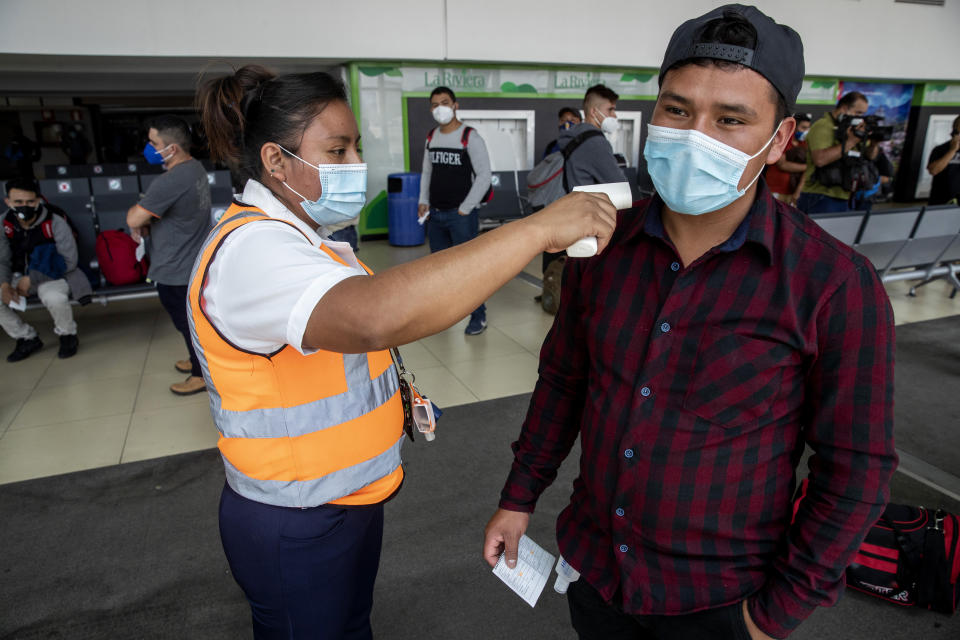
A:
{"points": [[944, 166], [839, 157]]}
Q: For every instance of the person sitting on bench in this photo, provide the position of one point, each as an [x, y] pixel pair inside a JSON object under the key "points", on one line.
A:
{"points": [[38, 255]]}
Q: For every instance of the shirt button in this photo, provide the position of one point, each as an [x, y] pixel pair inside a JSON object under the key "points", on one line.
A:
{"points": [[628, 453], [645, 392], [675, 266], [665, 327], [620, 511], [624, 548]]}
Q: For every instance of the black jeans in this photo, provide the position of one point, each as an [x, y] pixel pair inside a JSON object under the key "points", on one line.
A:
{"points": [[595, 619], [174, 300]]}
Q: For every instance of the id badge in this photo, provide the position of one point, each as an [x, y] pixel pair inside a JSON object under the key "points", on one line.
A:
{"points": [[419, 413], [423, 416]]}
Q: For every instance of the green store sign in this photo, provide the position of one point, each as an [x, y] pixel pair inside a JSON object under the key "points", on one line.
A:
{"points": [[461, 79], [580, 81]]}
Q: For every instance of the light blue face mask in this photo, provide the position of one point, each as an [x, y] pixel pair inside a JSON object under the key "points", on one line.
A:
{"points": [[343, 192], [692, 172]]}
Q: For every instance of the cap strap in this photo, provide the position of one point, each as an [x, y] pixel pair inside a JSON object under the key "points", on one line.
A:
{"points": [[720, 51]]}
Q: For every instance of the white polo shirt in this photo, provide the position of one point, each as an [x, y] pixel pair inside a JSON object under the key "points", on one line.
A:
{"points": [[267, 278]]}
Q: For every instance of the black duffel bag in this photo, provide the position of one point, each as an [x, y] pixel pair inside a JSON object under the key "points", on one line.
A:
{"points": [[910, 557]]}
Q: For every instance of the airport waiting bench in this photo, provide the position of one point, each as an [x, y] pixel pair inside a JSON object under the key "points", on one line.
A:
{"points": [[920, 243], [96, 202]]}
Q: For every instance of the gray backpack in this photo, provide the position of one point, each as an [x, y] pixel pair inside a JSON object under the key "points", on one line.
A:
{"points": [[547, 181]]}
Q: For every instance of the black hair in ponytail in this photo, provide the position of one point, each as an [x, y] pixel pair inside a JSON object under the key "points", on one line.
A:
{"points": [[244, 111]]}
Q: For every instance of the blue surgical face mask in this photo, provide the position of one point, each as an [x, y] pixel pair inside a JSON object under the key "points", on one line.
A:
{"points": [[800, 135], [152, 155], [343, 192], [567, 124], [692, 172]]}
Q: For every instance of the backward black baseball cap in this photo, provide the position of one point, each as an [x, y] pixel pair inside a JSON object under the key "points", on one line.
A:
{"points": [[778, 56]]}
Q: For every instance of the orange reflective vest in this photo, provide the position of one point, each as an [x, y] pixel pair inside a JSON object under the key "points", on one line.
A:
{"points": [[296, 430]]}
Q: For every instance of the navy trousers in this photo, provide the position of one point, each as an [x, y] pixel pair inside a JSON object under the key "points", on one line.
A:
{"points": [[307, 573], [174, 300]]}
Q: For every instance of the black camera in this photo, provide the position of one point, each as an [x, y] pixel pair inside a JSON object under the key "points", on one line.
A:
{"points": [[876, 130], [872, 129]]}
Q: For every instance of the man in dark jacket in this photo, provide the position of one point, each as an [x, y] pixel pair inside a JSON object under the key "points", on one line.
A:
{"points": [[38, 255]]}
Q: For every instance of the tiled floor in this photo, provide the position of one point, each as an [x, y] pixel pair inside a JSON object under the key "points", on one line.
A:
{"points": [[111, 403]]}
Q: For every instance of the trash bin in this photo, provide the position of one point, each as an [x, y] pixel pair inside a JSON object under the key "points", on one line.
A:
{"points": [[403, 196]]}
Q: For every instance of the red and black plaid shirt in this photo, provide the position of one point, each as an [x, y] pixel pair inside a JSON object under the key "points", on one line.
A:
{"points": [[693, 391]]}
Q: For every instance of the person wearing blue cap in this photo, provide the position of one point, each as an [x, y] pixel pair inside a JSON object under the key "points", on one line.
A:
{"points": [[720, 334]]}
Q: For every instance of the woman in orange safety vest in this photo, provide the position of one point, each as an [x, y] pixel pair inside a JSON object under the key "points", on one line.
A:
{"points": [[292, 333]]}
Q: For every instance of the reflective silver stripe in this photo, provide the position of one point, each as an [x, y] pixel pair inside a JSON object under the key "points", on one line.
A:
{"points": [[363, 395], [357, 369], [360, 399], [215, 400], [310, 493]]}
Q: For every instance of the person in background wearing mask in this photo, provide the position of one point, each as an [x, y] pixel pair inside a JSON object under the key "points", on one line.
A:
{"points": [[785, 179], [173, 218], [456, 177], [567, 118], [944, 166], [294, 331], [720, 333], [593, 161], [824, 148], [38, 255]]}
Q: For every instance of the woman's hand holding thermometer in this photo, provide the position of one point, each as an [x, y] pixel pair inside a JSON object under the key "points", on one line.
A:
{"points": [[621, 197], [574, 216]]}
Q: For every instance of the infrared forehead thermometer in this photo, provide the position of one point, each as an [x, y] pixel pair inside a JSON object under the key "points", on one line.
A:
{"points": [[621, 197]]}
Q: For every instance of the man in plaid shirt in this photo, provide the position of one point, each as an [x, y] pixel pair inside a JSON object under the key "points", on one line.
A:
{"points": [[719, 333]]}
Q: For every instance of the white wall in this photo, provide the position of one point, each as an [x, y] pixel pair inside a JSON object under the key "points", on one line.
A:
{"points": [[324, 29], [847, 38]]}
